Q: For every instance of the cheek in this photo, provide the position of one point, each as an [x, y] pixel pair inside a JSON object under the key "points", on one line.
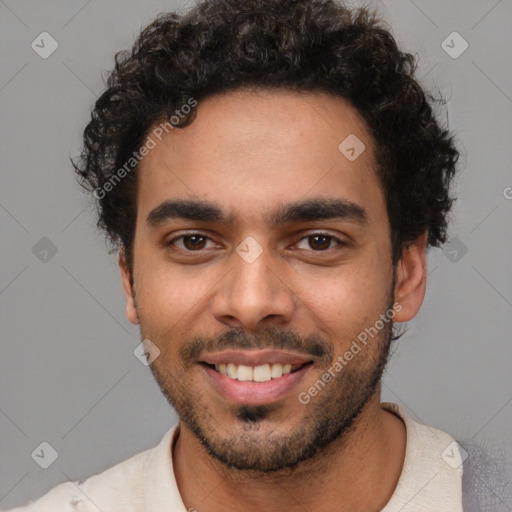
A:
{"points": [[344, 301], [169, 298], [165, 301], [359, 285]]}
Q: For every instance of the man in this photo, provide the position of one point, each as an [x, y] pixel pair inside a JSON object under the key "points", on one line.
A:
{"points": [[273, 175]]}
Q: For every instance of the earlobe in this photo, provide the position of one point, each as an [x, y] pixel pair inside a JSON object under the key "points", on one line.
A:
{"points": [[411, 279], [131, 310]]}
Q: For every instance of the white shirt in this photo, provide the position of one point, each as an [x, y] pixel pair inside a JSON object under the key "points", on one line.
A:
{"points": [[431, 479]]}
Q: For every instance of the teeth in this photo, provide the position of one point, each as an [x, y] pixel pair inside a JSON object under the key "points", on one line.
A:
{"points": [[277, 371], [262, 373], [244, 373], [232, 370]]}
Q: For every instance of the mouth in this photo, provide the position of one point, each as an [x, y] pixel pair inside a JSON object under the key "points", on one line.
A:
{"points": [[255, 377], [261, 373]]}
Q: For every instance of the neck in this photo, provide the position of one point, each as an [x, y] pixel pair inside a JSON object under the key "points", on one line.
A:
{"points": [[358, 471]]}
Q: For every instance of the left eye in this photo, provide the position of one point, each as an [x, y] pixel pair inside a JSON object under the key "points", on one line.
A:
{"points": [[193, 242], [320, 241]]}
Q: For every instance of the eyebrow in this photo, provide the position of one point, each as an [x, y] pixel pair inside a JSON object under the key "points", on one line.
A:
{"points": [[300, 211]]}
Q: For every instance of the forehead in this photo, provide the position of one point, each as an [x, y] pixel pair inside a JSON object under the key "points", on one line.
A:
{"points": [[249, 150]]}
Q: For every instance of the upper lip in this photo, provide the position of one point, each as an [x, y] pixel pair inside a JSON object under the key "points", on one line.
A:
{"points": [[255, 357]]}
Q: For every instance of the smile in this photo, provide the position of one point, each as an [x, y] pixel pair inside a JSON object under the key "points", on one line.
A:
{"points": [[260, 373]]}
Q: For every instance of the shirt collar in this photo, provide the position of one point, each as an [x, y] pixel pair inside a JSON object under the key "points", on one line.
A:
{"points": [[160, 488]]}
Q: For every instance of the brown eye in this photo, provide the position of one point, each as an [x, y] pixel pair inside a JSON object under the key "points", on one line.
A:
{"points": [[190, 243], [319, 242], [193, 242]]}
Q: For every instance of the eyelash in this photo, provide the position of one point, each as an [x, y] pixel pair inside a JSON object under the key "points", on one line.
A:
{"points": [[339, 242]]}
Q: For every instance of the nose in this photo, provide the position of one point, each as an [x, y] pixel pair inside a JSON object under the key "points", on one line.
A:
{"points": [[253, 295]]}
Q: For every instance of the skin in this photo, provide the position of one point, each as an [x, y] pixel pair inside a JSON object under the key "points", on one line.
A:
{"points": [[250, 152]]}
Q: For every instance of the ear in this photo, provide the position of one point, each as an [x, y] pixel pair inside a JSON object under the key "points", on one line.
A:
{"points": [[411, 279], [131, 311]]}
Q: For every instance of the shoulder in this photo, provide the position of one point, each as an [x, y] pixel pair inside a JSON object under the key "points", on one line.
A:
{"points": [[487, 476], [431, 476], [120, 487]]}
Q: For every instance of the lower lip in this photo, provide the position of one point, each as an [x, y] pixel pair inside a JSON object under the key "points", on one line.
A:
{"points": [[255, 393]]}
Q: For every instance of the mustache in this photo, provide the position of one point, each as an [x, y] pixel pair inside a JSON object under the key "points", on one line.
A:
{"points": [[267, 338]]}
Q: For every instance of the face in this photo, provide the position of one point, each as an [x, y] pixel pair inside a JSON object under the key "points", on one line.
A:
{"points": [[262, 256]]}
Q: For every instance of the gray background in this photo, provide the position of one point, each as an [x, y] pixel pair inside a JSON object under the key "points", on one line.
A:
{"points": [[68, 373]]}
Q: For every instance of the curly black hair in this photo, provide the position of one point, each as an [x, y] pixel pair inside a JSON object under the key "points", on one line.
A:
{"points": [[300, 45]]}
